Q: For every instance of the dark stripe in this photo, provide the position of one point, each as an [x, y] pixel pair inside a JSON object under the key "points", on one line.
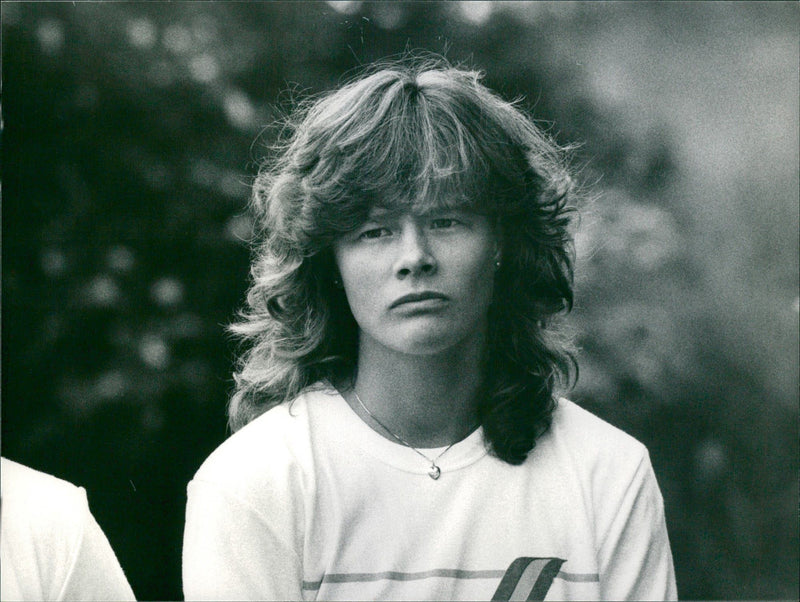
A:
{"points": [[528, 580], [511, 578], [549, 572], [534, 573]]}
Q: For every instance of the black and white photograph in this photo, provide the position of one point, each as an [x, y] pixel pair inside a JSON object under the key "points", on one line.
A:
{"points": [[400, 300]]}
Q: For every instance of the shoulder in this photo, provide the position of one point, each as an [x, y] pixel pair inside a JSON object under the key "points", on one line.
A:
{"points": [[573, 421], [40, 495], [593, 442], [607, 465], [273, 448], [43, 523]]}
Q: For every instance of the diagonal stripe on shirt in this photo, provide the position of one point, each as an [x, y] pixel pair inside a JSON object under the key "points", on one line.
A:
{"points": [[544, 579], [535, 572], [528, 579]]}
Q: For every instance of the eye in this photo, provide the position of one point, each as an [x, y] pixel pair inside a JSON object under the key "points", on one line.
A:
{"points": [[443, 222], [373, 233]]}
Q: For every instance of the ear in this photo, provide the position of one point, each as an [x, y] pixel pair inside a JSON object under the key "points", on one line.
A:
{"points": [[331, 270], [498, 244], [336, 276]]}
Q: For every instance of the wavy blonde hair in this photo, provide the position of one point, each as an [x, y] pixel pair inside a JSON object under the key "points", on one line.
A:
{"points": [[413, 133]]}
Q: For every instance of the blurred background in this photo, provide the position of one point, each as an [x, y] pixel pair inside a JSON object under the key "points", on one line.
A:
{"points": [[131, 132]]}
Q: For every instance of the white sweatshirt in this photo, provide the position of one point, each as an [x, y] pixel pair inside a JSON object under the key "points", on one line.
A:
{"points": [[308, 502], [51, 547]]}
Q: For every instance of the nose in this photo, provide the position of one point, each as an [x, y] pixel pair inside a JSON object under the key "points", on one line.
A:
{"points": [[414, 257]]}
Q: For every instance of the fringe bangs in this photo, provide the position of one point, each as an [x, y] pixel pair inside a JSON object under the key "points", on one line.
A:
{"points": [[414, 151]]}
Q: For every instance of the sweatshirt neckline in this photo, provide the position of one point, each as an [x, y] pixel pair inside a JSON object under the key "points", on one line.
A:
{"points": [[353, 429]]}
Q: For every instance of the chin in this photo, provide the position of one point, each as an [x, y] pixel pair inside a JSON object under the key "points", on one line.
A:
{"points": [[423, 349], [431, 341]]}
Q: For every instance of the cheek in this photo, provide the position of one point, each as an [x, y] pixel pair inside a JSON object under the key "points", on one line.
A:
{"points": [[361, 285], [351, 268], [480, 272], [358, 275], [483, 289]]}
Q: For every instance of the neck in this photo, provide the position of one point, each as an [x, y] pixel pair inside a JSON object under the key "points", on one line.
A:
{"points": [[429, 401]]}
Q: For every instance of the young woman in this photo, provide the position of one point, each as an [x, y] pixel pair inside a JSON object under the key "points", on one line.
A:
{"points": [[398, 432]]}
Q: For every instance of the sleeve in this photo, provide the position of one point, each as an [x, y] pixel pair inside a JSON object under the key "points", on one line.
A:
{"points": [[634, 555], [95, 573], [231, 552]]}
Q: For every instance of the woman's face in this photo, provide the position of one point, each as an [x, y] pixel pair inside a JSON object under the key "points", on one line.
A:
{"points": [[419, 284]]}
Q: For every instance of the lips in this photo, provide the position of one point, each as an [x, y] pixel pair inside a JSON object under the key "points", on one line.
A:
{"points": [[417, 297]]}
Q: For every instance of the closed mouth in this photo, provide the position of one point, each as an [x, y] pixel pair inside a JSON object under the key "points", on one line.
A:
{"points": [[416, 297]]}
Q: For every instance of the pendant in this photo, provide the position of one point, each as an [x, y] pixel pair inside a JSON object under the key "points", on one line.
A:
{"points": [[435, 472]]}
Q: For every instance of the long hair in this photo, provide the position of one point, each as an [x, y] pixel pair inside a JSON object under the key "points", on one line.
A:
{"points": [[415, 134]]}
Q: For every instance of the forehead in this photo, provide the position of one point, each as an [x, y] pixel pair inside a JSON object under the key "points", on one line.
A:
{"points": [[420, 207]]}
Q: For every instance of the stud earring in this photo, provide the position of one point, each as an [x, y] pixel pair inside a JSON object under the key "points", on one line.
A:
{"points": [[497, 265]]}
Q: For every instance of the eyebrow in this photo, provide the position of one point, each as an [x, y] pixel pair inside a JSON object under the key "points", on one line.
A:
{"points": [[382, 212]]}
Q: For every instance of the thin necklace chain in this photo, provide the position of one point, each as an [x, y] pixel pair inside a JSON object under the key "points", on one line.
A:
{"points": [[435, 470]]}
